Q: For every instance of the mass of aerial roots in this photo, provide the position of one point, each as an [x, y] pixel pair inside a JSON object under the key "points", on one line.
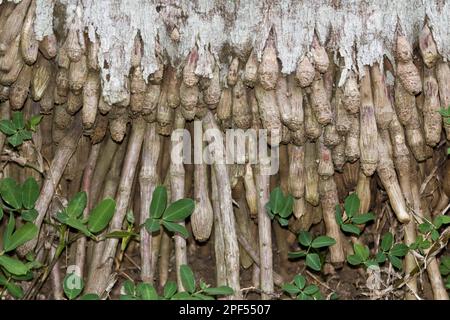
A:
{"points": [[380, 135]]}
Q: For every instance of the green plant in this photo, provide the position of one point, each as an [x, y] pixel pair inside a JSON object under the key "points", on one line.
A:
{"points": [[444, 268], [431, 229], [312, 245], [73, 285], [352, 218], [389, 251], [168, 216], [445, 113], [17, 199], [280, 206], [145, 291], [301, 291], [17, 130], [97, 221]]}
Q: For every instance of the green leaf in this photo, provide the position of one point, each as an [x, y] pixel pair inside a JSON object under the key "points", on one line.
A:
{"points": [[130, 217], [363, 218], [200, 296], [159, 202], [187, 278], [387, 241], [283, 222], [219, 291], [399, 250], [444, 266], [371, 263], [322, 241], [1, 213], [15, 140], [152, 225], [9, 230], [380, 257], [34, 121], [13, 266], [127, 297], [175, 227], [354, 260], [129, 287], [290, 288], [441, 220], [146, 291], [170, 288], [305, 238], [77, 205], [396, 262], [90, 296], [10, 193], [29, 215], [181, 296], [17, 120], [25, 134], [101, 215], [303, 296], [179, 210], [121, 234], [269, 211], [72, 222], [72, 285], [435, 235], [30, 193], [313, 261], [24, 234], [425, 227], [287, 207], [361, 251], [338, 214], [276, 200], [300, 281], [350, 228], [15, 290], [7, 127], [311, 289], [296, 254], [444, 112], [351, 205]]}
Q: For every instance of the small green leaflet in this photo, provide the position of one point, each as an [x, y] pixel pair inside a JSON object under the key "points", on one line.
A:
{"points": [[17, 120], [322, 241], [25, 233], [170, 288], [276, 200], [187, 278], [77, 205], [29, 215], [146, 291], [13, 266], [219, 291], [152, 225], [387, 241], [313, 261], [34, 121], [175, 227], [351, 204], [11, 193], [101, 215], [179, 210], [30, 193], [7, 127], [305, 238], [159, 202], [73, 285]]}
